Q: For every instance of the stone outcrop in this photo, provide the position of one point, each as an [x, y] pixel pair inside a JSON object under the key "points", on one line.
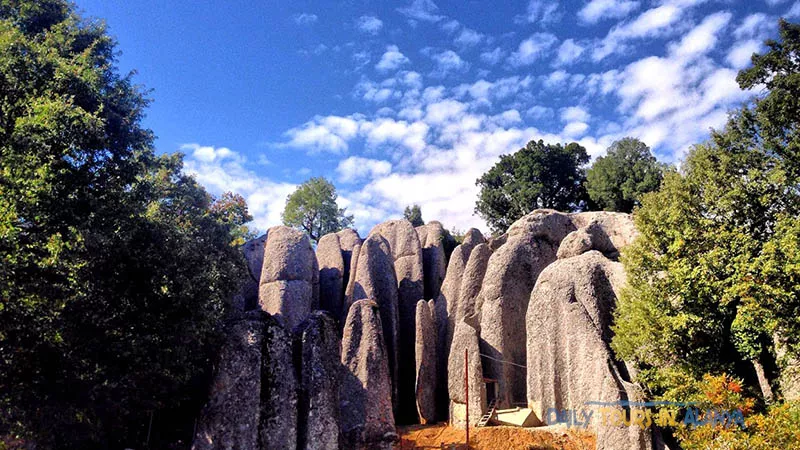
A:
{"points": [[468, 305], [331, 274], [348, 241], [570, 361], [510, 276], [375, 279], [278, 418], [407, 254], [320, 375], [465, 340], [425, 363], [367, 421], [230, 418], [605, 232], [351, 282], [253, 250], [434, 261], [289, 286]]}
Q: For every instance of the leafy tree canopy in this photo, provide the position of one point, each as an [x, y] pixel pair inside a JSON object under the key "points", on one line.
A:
{"points": [[414, 215], [115, 267], [617, 181], [537, 176], [312, 208]]}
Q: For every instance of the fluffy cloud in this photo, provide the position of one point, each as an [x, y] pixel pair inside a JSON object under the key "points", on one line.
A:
{"points": [[422, 10], [448, 61], [468, 38], [369, 24], [574, 114], [568, 52], [330, 133], [305, 18], [653, 22], [533, 48], [494, 56], [392, 59], [739, 55], [702, 38], [540, 11], [597, 10], [356, 168]]}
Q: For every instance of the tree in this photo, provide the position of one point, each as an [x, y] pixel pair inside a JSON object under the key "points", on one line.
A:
{"points": [[115, 271], [617, 181], [312, 208], [413, 214], [537, 176], [231, 209], [713, 273]]}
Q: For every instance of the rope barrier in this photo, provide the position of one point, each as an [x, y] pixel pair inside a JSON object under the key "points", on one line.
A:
{"points": [[503, 361]]}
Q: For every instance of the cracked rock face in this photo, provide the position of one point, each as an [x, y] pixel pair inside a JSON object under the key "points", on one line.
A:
{"points": [[331, 274], [289, 286], [425, 363], [434, 261], [465, 340], [367, 421]]}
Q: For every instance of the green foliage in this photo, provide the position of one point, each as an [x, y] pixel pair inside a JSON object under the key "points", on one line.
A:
{"points": [[617, 181], [231, 209], [413, 214], [115, 267], [312, 208], [537, 176]]}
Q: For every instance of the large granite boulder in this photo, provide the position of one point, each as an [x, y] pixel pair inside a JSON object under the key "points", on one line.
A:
{"points": [[375, 279], [434, 262], [425, 363], [613, 230], [230, 418], [351, 283], [465, 344], [246, 298], [348, 240], [367, 421], [469, 305], [512, 271], [570, 361], [278, 416], [407, 253], [331, 274], [320, 375], [289, 286]]}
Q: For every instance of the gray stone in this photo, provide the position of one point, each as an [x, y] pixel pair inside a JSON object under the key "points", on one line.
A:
{"points": [[425, 364], [375, 279], [331, 274], [320, 375], [473, 237], [253, 251], [575, 243], [351, 283], [407, 253], [543, 224], [230, 418], [278, 417], [289, 286], [367, 421], [469, 303], [348, 240], [570, 361], [434, 261], [611, 231], [465, 342]]}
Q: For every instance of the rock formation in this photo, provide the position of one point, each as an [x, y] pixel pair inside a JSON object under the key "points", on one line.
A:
{"points": [[289, 286], [348, 241], [375, 279], [351, 283], [468, 306], [465, 338], [278, 418], [434, 261], [253, 250], [407, 254], [425, 363], [331, 274], [570, 361], [367, 421]]}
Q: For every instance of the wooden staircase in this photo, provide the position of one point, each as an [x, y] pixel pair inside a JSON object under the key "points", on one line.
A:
{"points": [[488, 416]]}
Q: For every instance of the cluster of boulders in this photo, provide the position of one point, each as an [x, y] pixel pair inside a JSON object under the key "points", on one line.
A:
{"points": [[332, 348]]}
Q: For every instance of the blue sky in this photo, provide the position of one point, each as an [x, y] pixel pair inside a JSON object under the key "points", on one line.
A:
{"points": [[410, 102]]}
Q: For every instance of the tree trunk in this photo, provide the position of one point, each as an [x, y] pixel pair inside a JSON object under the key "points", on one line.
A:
{"points": [[766, 390]]}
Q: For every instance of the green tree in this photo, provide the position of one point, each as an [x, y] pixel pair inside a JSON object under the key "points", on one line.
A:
{"points": [[617, 181], [713, 274], [312, 208], [231, 209], [114, 269], [413, 214], [537, 176]]}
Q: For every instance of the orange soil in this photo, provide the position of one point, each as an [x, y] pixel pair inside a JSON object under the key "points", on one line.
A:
{"points": [[493, 438]]}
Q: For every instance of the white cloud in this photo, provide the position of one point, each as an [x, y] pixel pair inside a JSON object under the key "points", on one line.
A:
{"points": [[468, 37], [330, 133], [568, 52], [653, 22], [209, 154], [422, 10], [392, 59], [448, 61], [739, 55], [356, 168], [533, 48], [493, 57], [703, 37], [369, 24], [305, 18], [574, 114], [756, 25], [540, 11], [794, 12], [575, 129], [597, 10]]}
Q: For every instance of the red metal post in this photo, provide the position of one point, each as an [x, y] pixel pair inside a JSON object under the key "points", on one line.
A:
{"points": [[466, 388]]}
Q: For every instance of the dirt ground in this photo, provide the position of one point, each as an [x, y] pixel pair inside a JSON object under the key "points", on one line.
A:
{"points": [[493, 438]]}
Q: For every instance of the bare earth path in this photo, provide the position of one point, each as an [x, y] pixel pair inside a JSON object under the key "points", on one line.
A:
{"points": [[493, 438]]}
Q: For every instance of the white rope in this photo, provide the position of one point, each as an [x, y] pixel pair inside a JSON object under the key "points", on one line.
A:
{"points": [[503, 361]]}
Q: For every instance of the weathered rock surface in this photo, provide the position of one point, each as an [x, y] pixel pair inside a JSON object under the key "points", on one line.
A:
{"points": [[611, 231], [348, 240], [351, 281], [289, 286], [434, 262], [425, 363], [375, 279], [367, 421], [331, 274], [575, 243], [568, 334], [510, 276], [230, 418], [407, 253], [471, 282], [278, 418], [473, 237], [320, 377], [465, 338], [253, 250]]}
